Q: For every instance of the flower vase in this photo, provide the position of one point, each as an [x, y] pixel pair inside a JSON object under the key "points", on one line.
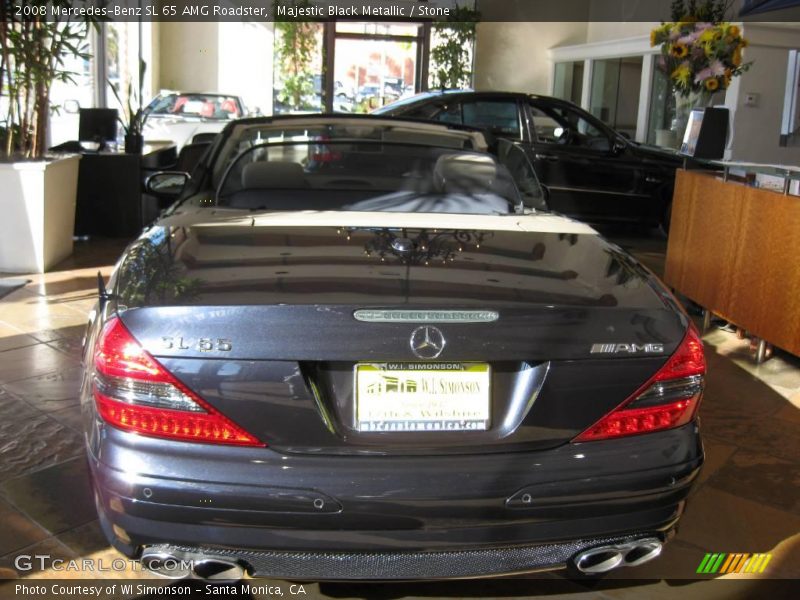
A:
{"points": [[134, 143], [684, 104]]}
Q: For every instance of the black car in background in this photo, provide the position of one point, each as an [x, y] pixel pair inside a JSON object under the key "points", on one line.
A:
{"points": [[592, 172]]}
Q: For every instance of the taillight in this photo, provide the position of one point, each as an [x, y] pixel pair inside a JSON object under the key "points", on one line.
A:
{"points": [[135, 393], [668, 400]]}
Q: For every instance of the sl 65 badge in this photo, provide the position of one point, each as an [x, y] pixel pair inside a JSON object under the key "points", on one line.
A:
{"points": [[202, 344]]}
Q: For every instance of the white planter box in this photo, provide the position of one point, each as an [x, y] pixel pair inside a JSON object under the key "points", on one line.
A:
{"points": [[37, 213]]}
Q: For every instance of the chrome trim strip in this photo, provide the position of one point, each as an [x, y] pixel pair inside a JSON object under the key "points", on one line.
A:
{"points": [[426, 316]]}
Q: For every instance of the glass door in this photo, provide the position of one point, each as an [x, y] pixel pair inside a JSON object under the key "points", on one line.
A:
{"points": [[375, 64], [568, 81], [615, 92]]}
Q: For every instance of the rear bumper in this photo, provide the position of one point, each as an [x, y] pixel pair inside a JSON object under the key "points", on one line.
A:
{"points": [[394, 565], [379, 517]]}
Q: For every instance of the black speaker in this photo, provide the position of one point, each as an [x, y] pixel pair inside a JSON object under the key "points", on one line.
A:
{"points": [[706, 133]]}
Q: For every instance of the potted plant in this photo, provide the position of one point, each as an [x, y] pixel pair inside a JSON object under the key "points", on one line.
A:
{"points": [[296, 45], [451, 57], [135, 115], [700, 53], [39, 190]]}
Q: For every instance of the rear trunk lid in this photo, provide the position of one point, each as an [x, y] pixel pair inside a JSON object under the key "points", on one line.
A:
{"points": [[269, 322]]}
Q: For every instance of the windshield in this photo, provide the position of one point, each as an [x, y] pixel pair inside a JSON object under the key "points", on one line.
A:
{"points": [[244, 135], [207, 106], [367, 175]]}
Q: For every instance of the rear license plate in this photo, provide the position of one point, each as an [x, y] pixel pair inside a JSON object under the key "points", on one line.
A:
{"points": [[422, 396]]}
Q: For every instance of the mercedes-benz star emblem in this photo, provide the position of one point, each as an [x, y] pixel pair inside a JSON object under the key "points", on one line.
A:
{"points": [[427, 342], [402, 245]]}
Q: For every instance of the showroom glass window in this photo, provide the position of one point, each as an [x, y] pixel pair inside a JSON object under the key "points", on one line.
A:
{"points": [[63, 124], [115, 50], [375, 64], [568, 81], [299, 83], [615, 92]]}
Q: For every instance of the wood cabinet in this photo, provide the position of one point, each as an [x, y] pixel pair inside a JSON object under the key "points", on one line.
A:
{"points": [[735, 250]]}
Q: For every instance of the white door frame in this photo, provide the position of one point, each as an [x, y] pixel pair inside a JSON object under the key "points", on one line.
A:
{"points": [[588, 53]]}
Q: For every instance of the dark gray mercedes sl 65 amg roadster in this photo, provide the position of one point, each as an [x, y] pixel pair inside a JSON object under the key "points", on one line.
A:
{"points": [[355, 349]]}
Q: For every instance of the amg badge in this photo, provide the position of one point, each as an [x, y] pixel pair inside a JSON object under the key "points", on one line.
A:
{"points": [[627, 348]]}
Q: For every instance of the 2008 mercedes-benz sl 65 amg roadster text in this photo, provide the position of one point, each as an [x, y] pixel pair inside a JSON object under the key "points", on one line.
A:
{"points": [[354, 348]]}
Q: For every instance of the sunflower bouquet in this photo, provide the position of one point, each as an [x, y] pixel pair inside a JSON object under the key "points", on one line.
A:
{"points": [[700, 56]]}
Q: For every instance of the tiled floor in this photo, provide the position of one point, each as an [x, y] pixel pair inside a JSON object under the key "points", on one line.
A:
{"points": [[747, 499]]}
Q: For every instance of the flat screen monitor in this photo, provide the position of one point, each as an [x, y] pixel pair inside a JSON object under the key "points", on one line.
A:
{"points": [[98, 124], [706, 133]]}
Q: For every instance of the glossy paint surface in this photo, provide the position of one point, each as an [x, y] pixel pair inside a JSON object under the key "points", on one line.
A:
{"points": [[259, 321]]}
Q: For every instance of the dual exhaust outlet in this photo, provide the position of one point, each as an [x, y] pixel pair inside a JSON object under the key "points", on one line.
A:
{"points": [[602, 559], [173, 564]]}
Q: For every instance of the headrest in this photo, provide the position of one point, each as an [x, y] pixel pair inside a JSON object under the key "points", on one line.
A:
{"points": [[273, 175], [205, 136], [464, 173]]}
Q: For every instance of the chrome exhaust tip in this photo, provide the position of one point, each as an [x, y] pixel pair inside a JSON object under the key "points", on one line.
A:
{"points": [[602, 559], [215, 569], [598, 560], [643, 551]]}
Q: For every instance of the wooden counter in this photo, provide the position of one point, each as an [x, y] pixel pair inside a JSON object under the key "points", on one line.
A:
{"points": [[735, 250]]}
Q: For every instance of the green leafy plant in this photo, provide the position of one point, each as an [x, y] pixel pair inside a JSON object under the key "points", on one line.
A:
{"points": [[133, 109], [708, 11], [33, 50], [296, 45], [451, 58]]}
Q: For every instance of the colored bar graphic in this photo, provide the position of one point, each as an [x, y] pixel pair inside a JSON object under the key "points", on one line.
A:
{"points": [[717, 563], [731, 560], [738, 563], [703, 563], [724, 563]]}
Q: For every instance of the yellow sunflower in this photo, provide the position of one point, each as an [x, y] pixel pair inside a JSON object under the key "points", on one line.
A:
{"points": [[707, 35], [680, 50], [682, 74], [733, 30], [736, 59], [712, 84]]}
